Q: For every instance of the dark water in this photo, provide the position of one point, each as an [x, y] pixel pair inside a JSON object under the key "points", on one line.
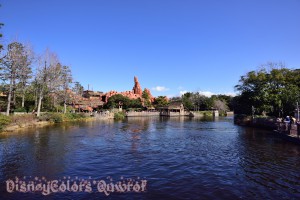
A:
{"points": [[180, 158]]}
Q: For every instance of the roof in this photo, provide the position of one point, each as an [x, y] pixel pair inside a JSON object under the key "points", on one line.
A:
{"points": [[174, 105]]}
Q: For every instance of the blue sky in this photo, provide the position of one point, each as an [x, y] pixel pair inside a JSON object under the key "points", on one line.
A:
{"points": [[171, 45]]}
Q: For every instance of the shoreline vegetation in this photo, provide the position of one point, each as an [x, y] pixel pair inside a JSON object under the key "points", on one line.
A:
{"points": [[13, 123]]}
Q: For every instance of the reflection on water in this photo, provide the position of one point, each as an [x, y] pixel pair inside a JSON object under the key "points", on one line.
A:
{"points": [[182, 158]]}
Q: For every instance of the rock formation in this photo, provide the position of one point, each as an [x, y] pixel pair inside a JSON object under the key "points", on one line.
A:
{"points": [[151, 98], [137, 87]]}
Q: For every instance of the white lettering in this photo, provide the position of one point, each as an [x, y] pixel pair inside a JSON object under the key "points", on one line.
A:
{"points": [[10, 186], [54, 186]]}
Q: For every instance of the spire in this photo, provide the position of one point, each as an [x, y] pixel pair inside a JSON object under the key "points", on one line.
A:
{"points": [[137, 87]]}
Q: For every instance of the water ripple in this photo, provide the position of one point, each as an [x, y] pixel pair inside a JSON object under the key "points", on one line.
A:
{"points": [[181, 158]]}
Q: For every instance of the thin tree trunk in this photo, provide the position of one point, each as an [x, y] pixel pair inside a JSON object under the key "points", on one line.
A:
{"points": [[36, 99], [65, 103], [65, 107], [14, 92], [9, 97], [23, 99], [39, 106], [40, 102]]}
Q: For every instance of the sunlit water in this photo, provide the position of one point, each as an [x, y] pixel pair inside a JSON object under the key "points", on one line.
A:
{"points": [[181, 158]]}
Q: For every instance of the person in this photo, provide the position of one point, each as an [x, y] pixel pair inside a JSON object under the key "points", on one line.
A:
{"points": [[287, 123], [298, 128], [279, 124], [293, 119]]}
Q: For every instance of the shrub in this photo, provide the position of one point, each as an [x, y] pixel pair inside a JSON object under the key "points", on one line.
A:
{"points": [[4, 120], [73, 116], [22, 119], [60, 117], [56, 117], [53, 117], [206, 113], [119, 116], [20, 110]]}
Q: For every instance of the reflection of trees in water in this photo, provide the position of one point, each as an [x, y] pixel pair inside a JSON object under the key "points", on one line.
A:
{"points": [[268, 161], [138, 124], [36, 152], [136, 127], [11, 158]]}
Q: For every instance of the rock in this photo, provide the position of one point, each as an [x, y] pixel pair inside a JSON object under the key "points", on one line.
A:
{"points": [[137, 87], [149, 94]]}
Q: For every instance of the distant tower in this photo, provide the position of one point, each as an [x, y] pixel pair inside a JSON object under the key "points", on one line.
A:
{"points": [[137, 87]]}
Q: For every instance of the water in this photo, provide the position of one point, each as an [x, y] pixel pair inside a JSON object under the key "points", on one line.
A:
{"points": [[180, 158]]}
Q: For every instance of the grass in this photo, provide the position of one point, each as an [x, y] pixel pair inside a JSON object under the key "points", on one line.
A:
{"points": [[205, 113], [60, 117], [4, 121], [30, 119]]}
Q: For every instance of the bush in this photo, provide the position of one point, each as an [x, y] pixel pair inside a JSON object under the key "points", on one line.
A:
{"points": [[119, 116], [53, 117], [206, 113], [20, 110], [73, 116], [60, 117], [4, 120], [22, 119], [56, 117], [222, 113]]}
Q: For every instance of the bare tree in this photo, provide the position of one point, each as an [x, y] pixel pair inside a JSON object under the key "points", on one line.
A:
{"points": [[47, 76], [220, 105]]}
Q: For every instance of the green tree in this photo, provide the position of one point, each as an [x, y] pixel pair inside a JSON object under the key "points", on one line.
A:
{"points": [[146, 97], [25, 73], [66, 79], [115, 100], [273, 89], [1, 24], [135, 103], [1, 45], [160, 101], [78, 88], [187, 100], [16, 67]]}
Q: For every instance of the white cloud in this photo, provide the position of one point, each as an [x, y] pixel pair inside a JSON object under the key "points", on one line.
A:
{"points": [[206, 93], [171, 96], [160, 89], [230, 94], [182, 92], [209, 94]]}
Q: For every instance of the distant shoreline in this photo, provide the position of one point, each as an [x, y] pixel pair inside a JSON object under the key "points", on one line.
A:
{"points": [[35, 123]]}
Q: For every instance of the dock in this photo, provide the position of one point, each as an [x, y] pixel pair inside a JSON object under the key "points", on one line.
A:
{"points": [[288, 132]]}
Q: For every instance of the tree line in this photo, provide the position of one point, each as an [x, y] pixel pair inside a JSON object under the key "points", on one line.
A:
{"points": [[272, 90], [193, 101], [31, 82]]}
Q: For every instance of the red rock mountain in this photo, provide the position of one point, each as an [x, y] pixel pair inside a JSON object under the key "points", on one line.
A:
{"points": [[137, 87]]}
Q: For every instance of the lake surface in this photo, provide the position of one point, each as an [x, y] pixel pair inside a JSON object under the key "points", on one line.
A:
{"points": [[180, 158]]}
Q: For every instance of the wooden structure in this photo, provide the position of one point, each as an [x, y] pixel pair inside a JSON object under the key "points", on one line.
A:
{"points": [[92, 94], [173, 109]]}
